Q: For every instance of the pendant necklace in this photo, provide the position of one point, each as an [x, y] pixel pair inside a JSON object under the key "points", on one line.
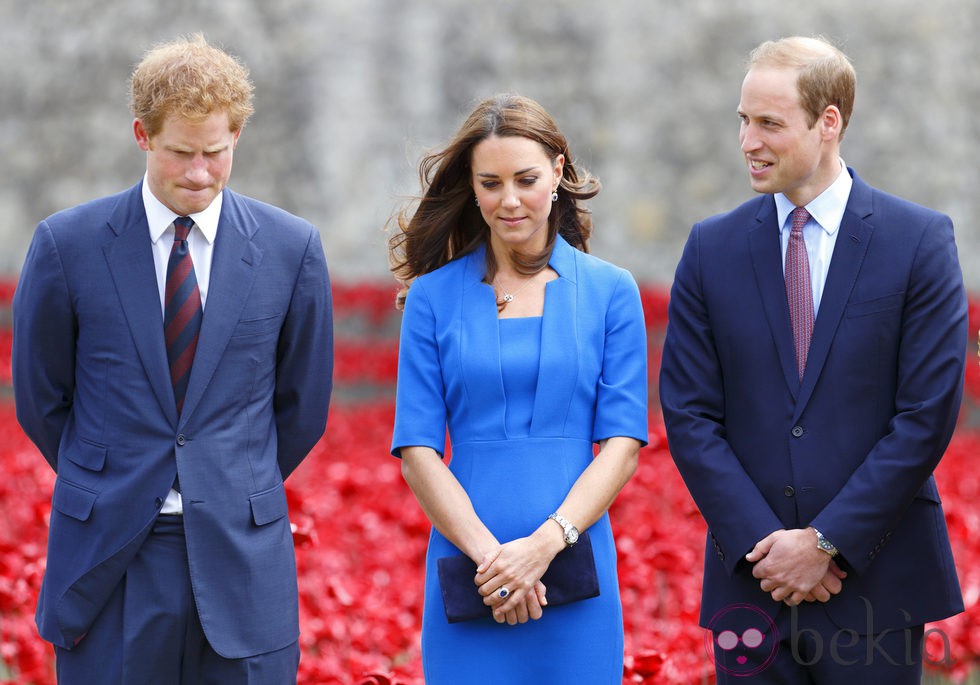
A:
{"points": [[509, 297]]}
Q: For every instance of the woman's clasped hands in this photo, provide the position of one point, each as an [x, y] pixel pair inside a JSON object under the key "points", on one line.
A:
{"points": [[509, 578]]}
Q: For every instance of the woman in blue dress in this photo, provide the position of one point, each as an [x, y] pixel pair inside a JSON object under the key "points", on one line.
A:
{"points": [[532, 352]]}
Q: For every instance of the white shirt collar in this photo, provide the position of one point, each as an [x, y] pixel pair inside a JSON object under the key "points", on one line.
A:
{"points": [[160, 217], [827, 209]]}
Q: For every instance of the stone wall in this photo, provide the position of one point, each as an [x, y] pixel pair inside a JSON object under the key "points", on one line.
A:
{"points": [[350, 93]]}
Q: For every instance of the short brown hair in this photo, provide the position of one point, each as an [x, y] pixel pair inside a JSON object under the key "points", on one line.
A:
{"points": [[826, 76], [192, 79]]}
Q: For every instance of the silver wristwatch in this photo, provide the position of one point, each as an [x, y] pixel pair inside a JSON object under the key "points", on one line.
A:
{"points": [[824, 544], [571, 532]]}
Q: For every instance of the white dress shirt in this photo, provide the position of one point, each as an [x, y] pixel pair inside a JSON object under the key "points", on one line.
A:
{"points": [[820, 232], [200, 243]]}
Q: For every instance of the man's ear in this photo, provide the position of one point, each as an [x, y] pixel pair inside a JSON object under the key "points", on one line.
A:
{"points": [[831, 123], [142, 139]]}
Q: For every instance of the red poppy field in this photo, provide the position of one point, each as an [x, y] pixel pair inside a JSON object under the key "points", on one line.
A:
{"points": [[360, 536]]}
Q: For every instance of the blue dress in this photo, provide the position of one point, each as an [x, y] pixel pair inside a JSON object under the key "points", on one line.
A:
{"points": [[525, 400]]}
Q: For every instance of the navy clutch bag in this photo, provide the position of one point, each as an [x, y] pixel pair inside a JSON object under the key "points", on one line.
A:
{"points": [[570, 577]]}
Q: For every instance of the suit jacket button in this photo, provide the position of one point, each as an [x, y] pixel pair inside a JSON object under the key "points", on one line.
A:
{"points": [[789, 491], [797, 431], [181, 439]]}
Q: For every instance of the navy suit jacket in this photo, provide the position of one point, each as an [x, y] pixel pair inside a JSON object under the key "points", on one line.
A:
{"points": [[851, 449], [93, 392]]}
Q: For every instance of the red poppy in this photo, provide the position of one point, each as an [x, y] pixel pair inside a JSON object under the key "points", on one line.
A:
{"points": [[360, 535]]}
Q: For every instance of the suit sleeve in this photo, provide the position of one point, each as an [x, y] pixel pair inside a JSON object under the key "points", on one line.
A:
{"points": [[43, 351], [621, 401], [420, 404], [304, 365], [931, 365], [693, 403]]}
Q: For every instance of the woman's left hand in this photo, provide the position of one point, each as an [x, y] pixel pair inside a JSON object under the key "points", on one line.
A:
{"points": [[517, 566]]}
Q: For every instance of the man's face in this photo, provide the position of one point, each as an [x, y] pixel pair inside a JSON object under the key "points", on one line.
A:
{"points": [[782, 153], [188, 163]]}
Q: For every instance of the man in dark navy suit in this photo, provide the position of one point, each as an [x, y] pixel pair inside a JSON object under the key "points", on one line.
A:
{"points": [[812, 374], [172, 361]]}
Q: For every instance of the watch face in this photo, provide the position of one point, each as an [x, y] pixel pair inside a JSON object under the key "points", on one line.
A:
{"points": [[571, 536], [826, 546]]}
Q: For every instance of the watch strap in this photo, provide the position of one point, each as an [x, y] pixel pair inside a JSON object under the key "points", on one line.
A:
{"points": [[569, 531]]}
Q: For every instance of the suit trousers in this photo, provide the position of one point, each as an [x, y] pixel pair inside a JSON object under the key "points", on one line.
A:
{"points": [[149, 632], [802, 646]]}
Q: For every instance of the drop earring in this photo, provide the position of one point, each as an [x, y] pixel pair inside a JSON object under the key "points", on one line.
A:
{"points": [[554, 196], [477, 201]]}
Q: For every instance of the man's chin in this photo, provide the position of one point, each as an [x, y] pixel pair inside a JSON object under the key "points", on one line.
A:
{"points": [[193, 202]]}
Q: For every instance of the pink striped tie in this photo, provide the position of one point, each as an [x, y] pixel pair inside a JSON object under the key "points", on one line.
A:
{"points": [[798, 291], [182, 310]]}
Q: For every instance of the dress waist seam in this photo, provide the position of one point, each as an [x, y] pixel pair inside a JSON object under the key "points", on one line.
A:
{"points": [[530, 438]]}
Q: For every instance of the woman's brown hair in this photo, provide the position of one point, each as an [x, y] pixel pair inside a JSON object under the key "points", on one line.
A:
{"points": [[447, 224]]}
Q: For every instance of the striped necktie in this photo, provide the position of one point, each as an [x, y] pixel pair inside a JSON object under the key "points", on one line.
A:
{"points": [[798, 291], [182, 310]]}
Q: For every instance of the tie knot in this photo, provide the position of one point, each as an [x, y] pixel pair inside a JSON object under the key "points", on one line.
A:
{"points": [[800, 217], [182, 226]]}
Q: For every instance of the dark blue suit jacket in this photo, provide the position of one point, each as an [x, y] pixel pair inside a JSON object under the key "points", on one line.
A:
{"points": [[93, 392], [851, 449]]}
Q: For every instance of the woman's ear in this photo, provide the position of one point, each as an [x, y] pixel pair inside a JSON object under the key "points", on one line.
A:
{"points": [[559, 169]]}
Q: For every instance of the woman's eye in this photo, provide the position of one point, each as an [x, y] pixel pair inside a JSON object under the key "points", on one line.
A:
{"points": [[489, 185], [529, 180]]}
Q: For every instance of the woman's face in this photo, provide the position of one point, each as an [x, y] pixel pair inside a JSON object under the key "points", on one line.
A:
{"points": [[513, 179]]}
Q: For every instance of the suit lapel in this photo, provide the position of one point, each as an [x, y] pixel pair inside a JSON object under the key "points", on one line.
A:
{"points": [[558, 360], [480, 339], [233, 268], [767, 264], [845, 265], [130, 261]]}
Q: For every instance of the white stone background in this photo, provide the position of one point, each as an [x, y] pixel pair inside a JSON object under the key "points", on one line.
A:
{"points": [[349, 94]]}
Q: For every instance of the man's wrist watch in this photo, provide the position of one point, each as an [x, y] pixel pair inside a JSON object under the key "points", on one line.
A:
{"points": [[571, 532], [824, 544]]}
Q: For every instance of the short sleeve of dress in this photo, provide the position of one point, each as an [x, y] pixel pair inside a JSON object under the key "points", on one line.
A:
{"points": [[621, 401], [420, 407]]}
